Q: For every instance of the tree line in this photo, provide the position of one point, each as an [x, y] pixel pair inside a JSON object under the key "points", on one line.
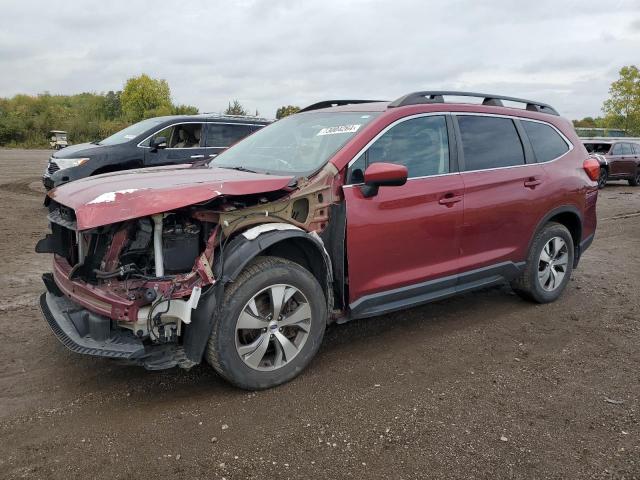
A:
{"points": [[622, 109], [25, 120]]}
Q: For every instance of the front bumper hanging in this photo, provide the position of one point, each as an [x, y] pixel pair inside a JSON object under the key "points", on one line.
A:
{"points": [[82, 331]]}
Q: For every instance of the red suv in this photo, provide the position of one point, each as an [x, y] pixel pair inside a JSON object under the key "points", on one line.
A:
{"points": [[346, 210]]}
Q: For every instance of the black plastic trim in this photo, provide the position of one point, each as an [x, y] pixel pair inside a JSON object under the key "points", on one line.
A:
{"points": [[584, 244], [425, 292], [57, 310], [197, 332], [549, 216]]}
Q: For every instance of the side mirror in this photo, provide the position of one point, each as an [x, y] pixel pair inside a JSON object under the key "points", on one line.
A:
{"points": [[158, 143], [383, 175]]}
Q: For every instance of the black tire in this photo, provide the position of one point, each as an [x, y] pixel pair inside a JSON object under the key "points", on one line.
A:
{"points": [[604, 175], [262, 273], [635, 181], [528, 284]]}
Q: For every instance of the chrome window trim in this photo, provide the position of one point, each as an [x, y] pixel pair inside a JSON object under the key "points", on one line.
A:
{"points": [[522, 119], [512, 117], [190, 122], [409, 179]]}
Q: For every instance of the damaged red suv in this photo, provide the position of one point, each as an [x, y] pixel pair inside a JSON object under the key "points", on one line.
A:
{"points": [[349, 209]]}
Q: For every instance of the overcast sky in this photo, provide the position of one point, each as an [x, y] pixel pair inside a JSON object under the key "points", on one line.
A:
{"points": [[267, 53]]}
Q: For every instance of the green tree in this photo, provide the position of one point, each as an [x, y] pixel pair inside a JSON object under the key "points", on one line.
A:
{"points": [[286, 110], [145, 97], [184, 110], [235, 108], [25, 120], [622, 108], [112, 105]]}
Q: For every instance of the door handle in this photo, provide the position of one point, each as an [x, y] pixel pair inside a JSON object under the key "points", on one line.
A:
{"points": [[532, 182], [450, 199], [197, 156]]}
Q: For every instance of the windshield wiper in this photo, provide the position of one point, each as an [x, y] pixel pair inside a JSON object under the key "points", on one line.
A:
{"points": [[95, 142], [239, 169]]}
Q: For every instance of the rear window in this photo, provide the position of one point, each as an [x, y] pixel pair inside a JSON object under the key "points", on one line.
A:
{"points": [[223, 135], [546, 142], [490, 142]]}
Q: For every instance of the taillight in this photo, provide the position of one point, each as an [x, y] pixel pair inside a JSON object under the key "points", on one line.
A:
{"points": [[592, 167]]}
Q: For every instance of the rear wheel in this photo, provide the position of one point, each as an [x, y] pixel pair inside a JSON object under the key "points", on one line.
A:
{"points": [[602, 180], [270, 325], [635, 181], [549, 265]]}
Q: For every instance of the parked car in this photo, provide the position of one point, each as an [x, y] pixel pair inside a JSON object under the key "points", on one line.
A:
{"points": [[58, 139], [619, 160], [153, 142], [324, 216]]}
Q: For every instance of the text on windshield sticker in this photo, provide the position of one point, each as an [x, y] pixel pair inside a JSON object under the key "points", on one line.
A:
{"points": [[339, 129]]}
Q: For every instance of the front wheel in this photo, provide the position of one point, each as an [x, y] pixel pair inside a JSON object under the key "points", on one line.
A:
{"points": [[270, 324], [549, 265], [635, 181]]}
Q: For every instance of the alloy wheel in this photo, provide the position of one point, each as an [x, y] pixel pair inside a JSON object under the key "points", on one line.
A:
{"points": [[552, 264], [273, 327]]}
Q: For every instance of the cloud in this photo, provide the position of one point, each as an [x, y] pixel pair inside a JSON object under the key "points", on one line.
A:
{"points": [[275, 52]]}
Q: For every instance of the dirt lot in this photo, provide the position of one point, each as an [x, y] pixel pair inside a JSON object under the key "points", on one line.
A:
{"points": [[481, 386]]}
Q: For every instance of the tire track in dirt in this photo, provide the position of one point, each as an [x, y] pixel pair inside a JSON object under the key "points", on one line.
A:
{"points": [[27, 186]]}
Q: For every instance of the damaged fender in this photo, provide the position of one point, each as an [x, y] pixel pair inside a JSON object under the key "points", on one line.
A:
{"points": [[235, 256]]}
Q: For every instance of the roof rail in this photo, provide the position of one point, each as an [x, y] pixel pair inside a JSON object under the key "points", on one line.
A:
{"points": [[437, 96], [227, 115], [335, 103]]}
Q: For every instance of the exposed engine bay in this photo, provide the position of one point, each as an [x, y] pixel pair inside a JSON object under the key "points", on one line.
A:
{"points": [[147, 275]]}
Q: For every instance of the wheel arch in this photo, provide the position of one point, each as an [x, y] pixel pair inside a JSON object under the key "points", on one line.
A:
{"points": [[571, 218], [289, 242]]}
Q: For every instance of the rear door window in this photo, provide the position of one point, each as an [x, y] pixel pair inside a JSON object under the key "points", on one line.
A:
{"points": [[489, 142], [546, 142], [223, 135], [626, 149]]}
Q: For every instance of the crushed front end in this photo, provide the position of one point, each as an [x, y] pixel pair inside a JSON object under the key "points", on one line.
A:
{"points": [[137, 272], [129, 290]]}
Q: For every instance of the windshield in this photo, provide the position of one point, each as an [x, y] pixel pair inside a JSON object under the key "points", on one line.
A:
{"points": [[297, 145], [131, 131]]}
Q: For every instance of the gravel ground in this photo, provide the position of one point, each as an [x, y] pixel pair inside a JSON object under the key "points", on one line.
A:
{"points": [[485, 385]]}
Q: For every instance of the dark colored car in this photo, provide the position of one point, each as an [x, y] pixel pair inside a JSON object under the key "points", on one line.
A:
{"points": [[153, 142], [325, 216], [619, 160]]}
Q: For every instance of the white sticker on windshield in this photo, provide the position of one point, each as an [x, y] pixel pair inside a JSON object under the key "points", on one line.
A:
{"points": [[339, 129]]}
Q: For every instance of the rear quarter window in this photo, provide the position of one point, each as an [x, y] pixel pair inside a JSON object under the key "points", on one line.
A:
{"points": [[489, 142], [546, 142]]}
